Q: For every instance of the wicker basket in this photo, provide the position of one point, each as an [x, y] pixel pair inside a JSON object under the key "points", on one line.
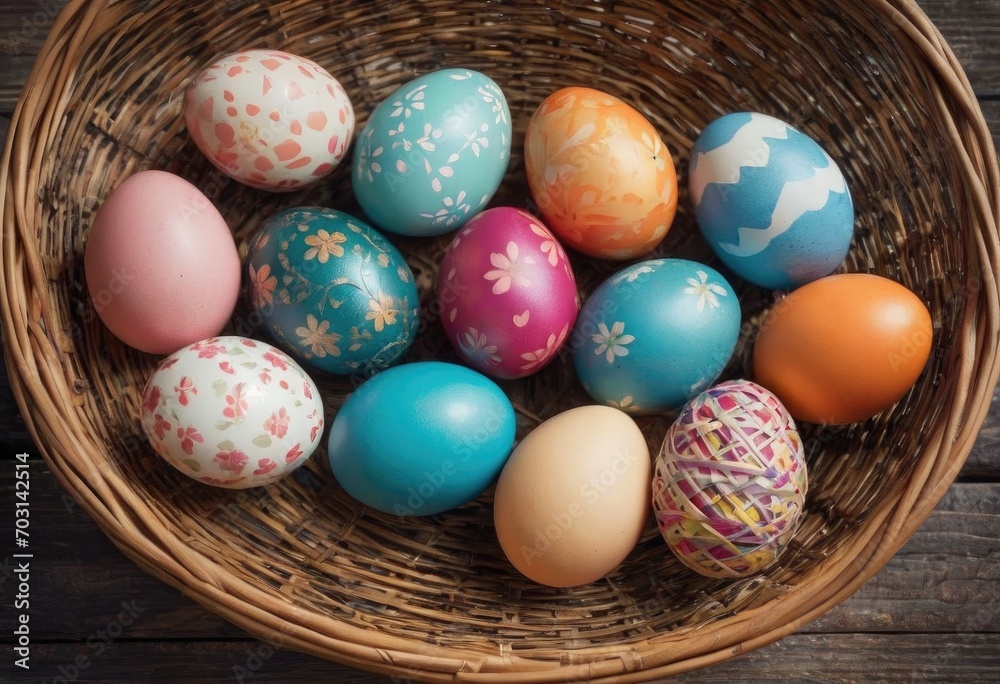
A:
{"points": [[302, 565]]}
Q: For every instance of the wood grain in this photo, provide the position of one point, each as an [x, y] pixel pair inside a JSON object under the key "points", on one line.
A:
{"points": [[991, 112], [23, 27], [970, 27], [984, 459], [945, 579], [931, 615]]}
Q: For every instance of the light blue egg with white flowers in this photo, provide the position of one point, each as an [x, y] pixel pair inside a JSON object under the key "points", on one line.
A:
{"points": [[332, 291], [421, 438], [655, 334], [773, 205], [433, 153]]}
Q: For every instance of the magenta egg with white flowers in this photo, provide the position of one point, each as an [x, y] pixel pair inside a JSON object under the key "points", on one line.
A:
{"points": [[507, 293]]}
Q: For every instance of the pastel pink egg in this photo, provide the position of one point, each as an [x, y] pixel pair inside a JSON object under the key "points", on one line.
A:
{"points": [[162, 268], [507, 293], [269, 119]]}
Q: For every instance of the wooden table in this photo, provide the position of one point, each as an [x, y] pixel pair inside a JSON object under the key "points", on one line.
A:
{"points": [[932, 614]]}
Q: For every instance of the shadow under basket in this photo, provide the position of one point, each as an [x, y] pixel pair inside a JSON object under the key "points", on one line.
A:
{"points": [[299, 563]]}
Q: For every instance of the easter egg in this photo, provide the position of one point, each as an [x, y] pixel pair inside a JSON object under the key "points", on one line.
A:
{"points": [[161, 265], [573, 499], [843, 348], [269, 119], [433, 153], [770, 201], [730, 481], [421, 438], [507, 292], [602, 179], [332, 291], [655, 334], [232, 412]]}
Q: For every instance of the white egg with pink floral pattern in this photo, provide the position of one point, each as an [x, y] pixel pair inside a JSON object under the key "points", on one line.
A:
{"points": [[232, 412], [507, 293], [270, 119]]}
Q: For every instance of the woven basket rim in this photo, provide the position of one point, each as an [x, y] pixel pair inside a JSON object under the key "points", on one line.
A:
{"points": [[47, 400]]}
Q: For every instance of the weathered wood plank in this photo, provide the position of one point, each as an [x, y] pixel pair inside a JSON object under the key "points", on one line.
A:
{"points": [[869, 658], [12, 428], [970, 27], [991, 112], [945, 579], [24, 24], [984, 459]]}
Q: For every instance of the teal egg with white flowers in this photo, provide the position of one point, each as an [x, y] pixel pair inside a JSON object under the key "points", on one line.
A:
{"points": [[332, 291], [433, 153], [655, 334]]}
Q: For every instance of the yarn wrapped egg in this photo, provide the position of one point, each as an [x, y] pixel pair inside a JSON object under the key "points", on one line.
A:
{"points": [[730, 480]]}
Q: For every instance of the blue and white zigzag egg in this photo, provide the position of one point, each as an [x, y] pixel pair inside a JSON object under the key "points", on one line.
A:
{"points": [[773, 205]]}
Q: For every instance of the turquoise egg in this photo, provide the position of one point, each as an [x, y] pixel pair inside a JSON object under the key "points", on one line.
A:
{"points": [[421, 438], [773, 205], [332, 291], [433, 153], [655, 334]]}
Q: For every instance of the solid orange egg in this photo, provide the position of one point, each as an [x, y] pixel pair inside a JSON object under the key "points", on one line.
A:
{"points": [[843, 348], [603, 180]]}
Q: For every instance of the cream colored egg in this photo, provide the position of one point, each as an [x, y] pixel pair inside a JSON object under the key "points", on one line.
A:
{"points": [[572, 500]]}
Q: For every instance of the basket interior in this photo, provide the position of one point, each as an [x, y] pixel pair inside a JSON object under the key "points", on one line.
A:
{"points": [[837, 71]]}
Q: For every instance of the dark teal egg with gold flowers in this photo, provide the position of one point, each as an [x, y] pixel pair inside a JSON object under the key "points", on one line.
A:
{"points": [[332, 291]]}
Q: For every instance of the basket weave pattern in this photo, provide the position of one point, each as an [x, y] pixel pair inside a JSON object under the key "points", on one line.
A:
{"points": [[430, 597]]}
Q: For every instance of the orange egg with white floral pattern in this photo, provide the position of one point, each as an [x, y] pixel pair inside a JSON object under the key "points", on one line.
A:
{"points": [[602, 179]]}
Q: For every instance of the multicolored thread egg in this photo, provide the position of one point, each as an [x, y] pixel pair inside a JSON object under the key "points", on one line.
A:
{"points": [[730, 481], [332, 291], [770, 201]]}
